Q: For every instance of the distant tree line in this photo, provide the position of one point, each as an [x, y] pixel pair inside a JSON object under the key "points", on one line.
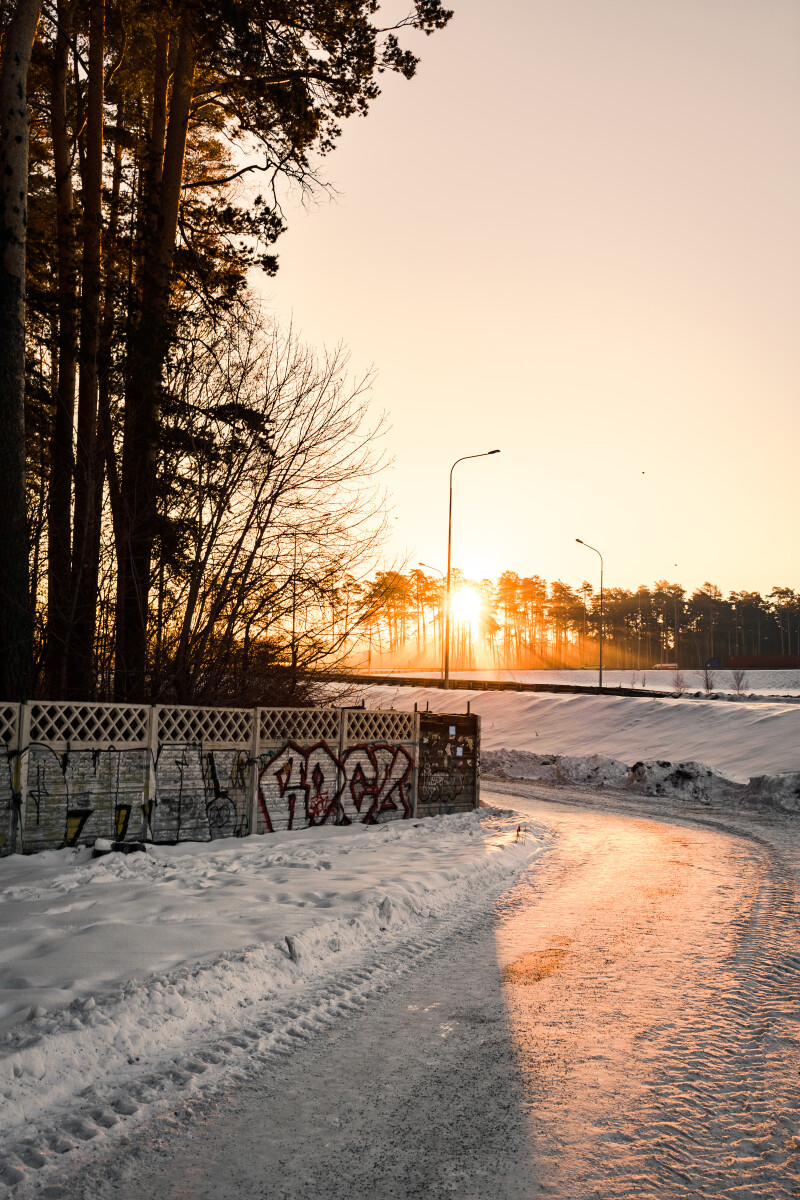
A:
{"points": [[526, 622], [184, 487]]}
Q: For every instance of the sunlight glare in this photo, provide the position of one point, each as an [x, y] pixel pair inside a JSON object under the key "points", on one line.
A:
{"points": [[466, 606]]}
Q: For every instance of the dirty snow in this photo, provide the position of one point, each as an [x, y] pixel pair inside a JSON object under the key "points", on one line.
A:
{"points": [[682, 780]]}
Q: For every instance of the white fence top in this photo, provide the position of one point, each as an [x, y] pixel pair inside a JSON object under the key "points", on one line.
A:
{"points": [[66, 725]]}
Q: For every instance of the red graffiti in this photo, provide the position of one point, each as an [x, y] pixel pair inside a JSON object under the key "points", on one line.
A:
{"points": [[307, 786], [376, 774]]}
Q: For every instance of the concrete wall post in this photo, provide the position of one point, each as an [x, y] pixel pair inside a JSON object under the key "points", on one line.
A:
{"points": [[150, 798], [20, 777], [255, 756]]}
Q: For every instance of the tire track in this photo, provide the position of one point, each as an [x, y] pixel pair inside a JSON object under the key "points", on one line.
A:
{"points": [[109, 1111]]}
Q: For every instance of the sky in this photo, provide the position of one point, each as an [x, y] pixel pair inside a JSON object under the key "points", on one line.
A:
{"points": [[574, 236]]}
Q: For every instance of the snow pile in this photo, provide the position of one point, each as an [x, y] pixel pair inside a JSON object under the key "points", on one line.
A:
{"points": [[650, 777], [594, 770], [738, 740], [680, 780], [776, 791], [238, 948]]}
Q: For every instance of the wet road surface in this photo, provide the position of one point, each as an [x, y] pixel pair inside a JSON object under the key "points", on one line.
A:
{"points": [[624, 1024]]}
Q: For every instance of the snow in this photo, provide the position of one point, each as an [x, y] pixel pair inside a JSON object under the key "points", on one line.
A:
{"points": [[739, 740], [682, 780], [121, 969], [782, 684], [130, 979]]}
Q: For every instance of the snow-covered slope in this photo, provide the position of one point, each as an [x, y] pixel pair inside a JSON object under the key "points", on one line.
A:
{"points": [[738, 739]]}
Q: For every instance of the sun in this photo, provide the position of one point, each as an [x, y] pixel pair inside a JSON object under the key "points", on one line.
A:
{"points": [[466, 606]]}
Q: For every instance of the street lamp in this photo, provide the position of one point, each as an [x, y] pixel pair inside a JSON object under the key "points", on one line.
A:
{"points": [[485, 454], [599, 555], [428, 567]]}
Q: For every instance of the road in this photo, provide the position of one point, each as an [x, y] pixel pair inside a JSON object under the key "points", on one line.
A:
{"points": [[623, 1024]]}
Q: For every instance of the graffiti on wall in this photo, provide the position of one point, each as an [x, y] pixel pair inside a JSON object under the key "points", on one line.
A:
{"points": [[200, 795], [74, 797], [301, 786], [439, 787], [77, 796]]}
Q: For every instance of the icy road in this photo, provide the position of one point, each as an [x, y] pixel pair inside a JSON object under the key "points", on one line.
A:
{"points": [[622, 1023]]}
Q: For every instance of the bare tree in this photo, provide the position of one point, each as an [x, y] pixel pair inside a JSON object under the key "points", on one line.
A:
{"points": [[272, 505], [679, 681], [739, 680]]}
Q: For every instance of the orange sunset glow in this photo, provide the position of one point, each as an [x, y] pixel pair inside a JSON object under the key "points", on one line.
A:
{"points": [[613, 302]]}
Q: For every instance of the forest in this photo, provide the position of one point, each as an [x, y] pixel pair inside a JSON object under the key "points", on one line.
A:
{"points": [[526, 622], [186, 489]]}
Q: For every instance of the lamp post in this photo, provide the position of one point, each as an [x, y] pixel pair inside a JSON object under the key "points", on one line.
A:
{"points": [[599, 555], [428, 567], [294, 617], [485, 454]]}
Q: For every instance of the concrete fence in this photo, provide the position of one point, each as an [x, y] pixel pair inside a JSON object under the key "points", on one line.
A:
{"points": [[70, 772]]}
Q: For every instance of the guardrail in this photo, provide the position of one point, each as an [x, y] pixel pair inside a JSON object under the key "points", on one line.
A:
{"points": [[495, 685]]}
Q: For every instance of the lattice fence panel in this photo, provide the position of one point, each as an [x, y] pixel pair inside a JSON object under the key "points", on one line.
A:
{"points": [[96, 726], [366, 726], [227, 728], [9, 724], [302, 725]]}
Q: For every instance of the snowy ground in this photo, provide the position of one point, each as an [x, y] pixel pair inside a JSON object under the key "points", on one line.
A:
{"points": [[754, 685], [127, 977], [739, 740], [131, 983], [621, 1023]]}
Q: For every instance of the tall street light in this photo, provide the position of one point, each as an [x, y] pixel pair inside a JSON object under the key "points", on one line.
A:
{"points": [[428, 567], [599, 555], [485, 454]]}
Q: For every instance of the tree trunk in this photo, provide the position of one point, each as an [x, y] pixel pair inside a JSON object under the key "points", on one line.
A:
{"points": [[143, 399], [16, 626], [61, 463], [84, 570], [105, 461], [158, 131]]}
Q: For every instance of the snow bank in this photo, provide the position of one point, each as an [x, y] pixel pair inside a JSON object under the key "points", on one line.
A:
{"points": [[594, 770], [649, 777], [679, 780], [738, 740], [776, 791], [238, 948]]}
